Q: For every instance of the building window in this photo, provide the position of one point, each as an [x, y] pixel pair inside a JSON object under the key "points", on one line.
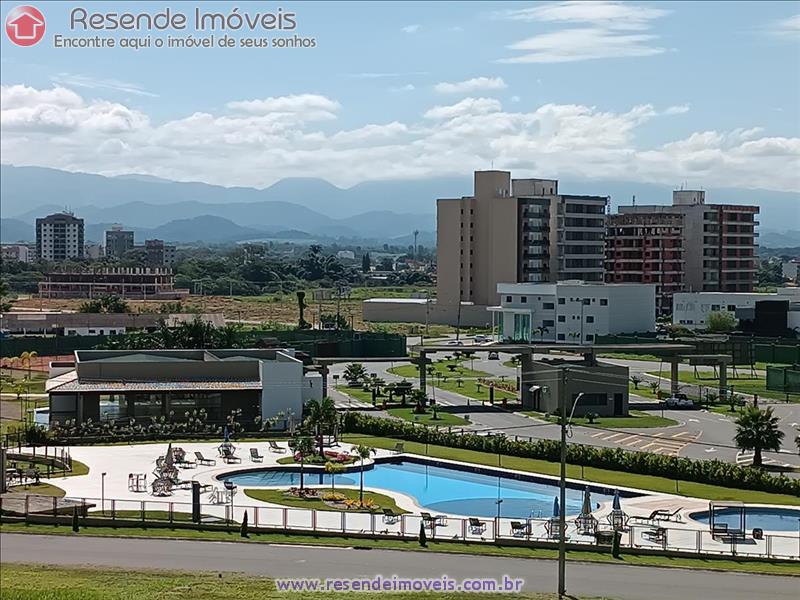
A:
{"points": [[561, 337], [562, 319], [524, 299], [548, 323], [548, 306], [562, 300], [508, 299], [732, 307], [113, 407], [589, 319], [589, 337], [603, 302]]}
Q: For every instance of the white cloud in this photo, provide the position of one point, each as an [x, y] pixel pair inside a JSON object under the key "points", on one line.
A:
{"points": [[411, 28], [258, 142], [613, 15], [788, 27], [468, 106], [312, 106], [409, 87], [383, 75], [677, 110], [612, 30], [87, 81], [475, 84], [515, 98]]}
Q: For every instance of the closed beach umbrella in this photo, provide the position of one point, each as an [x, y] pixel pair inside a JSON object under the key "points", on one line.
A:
{"points": [[169, 460], [615, 504], [556, 511], [587, 502], [225, 436]]}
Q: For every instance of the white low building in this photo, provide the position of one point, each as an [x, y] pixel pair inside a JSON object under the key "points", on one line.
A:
{"points": [[573, 311], [691, 309]]}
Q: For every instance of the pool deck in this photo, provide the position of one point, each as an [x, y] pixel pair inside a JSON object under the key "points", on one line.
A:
{"points": [[118, 461]]}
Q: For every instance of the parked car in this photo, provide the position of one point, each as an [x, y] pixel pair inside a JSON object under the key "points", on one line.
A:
{"points": [[679, 401], [455, 343], [481, 339], [494, 356]]}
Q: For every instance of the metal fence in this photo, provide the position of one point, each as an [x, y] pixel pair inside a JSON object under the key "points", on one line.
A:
{"points": [[657, 537]]}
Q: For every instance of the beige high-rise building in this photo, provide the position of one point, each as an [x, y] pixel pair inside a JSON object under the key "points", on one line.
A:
{"points": [[515, 231]]}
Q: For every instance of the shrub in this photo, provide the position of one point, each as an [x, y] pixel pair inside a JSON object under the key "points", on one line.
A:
{"points": [[713, 472]]}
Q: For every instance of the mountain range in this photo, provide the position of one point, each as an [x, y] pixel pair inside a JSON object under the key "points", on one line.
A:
{"points": [[297, 208]]}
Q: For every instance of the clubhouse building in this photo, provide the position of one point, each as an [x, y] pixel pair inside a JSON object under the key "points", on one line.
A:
{"points": [[145, 385]]}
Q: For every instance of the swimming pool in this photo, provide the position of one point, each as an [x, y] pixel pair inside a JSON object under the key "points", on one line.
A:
{"points": [[443, 488], [768, 519]]}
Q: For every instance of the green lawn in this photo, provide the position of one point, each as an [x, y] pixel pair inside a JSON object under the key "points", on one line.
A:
{"points": [[43, 489], [644, 390], [744, 384], [630, 356], [469, 387], [280, 497], [36, 384], [441, 367], [604, 476], [78, 468], [434, 546], [32, 582], [444, 419], [151, 515], [637, 419]]}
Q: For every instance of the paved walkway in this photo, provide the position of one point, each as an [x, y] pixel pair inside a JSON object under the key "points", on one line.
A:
{"points": [[583, 579]]}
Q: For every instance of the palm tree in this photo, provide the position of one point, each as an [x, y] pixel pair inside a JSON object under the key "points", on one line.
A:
{"points": [[332, 469], [363, 452], [320, 417], [27, 358], [304, 446], [757, 430], [635, 380]]}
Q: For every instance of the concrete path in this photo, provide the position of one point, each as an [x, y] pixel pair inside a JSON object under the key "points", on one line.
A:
{"points": [[583, 579]]}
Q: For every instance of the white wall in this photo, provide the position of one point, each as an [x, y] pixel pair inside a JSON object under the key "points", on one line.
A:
{"points": [[312, 387], [283, 384], [691, 309]]}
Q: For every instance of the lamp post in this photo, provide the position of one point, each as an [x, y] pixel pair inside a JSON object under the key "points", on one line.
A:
{"points": [[103, 492], [562, 522]]}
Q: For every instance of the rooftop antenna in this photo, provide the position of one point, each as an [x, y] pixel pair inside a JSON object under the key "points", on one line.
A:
{"points": [[634, 199]]}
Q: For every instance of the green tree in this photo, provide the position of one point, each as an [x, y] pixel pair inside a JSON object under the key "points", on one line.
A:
{"points": [[355, 372], [420, 400], [758, 430], [321, 419], [106, 304], [333, 469], [363, 453], [720, 321], [366, 263], [635, 380]]}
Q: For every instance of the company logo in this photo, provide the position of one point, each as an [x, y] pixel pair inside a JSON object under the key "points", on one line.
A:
{"points": [[25, 25]]}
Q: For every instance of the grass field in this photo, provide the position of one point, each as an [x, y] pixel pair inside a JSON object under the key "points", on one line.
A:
{"points": [[279, 497], [469, 387], [604, 476], [434, 546], [744, 384], [444, 419], [29, 582], [637, 419], [443, 367], [36, 386]]}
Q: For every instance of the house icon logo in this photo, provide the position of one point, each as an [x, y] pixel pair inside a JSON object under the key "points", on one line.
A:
{"points": [[25, 25]]}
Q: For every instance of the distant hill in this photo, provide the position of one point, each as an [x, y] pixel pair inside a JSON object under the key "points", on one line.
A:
{"points": [[14, 230]]}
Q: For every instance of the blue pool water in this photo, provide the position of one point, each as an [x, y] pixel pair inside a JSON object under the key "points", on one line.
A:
{"points": [[768, 519], [441, 489]]}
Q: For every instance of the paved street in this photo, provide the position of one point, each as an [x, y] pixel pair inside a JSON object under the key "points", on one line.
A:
{"points": [[699, 434], [583, 579]]}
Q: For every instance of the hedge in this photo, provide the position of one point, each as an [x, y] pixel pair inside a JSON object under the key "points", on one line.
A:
{"points": [[714, 472]]}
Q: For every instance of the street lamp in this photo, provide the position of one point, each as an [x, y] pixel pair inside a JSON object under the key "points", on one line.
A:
{"points": [[103, 492], [562, 522]]}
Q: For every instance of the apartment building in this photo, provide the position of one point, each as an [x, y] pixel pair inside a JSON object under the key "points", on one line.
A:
{"points": [[647, 248], [59, 236], [719, 241], [118, 241], [159, 254], [17, 252], [572, 311], [516, 230]]}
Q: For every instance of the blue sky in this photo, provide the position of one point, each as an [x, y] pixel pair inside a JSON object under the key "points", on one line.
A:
{"points": [[654, 91]]}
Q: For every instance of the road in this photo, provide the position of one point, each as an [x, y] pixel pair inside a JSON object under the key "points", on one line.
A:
{"points": [[583, 579], [699, 434]]}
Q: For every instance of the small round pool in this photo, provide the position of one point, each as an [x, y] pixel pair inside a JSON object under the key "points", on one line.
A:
{"points": [[762, 517]]}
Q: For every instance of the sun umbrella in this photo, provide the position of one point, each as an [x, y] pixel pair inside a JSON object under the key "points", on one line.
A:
{"points": [[587, 502], [556, 511], [169, 460], [615, 504], [226, 436]]}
